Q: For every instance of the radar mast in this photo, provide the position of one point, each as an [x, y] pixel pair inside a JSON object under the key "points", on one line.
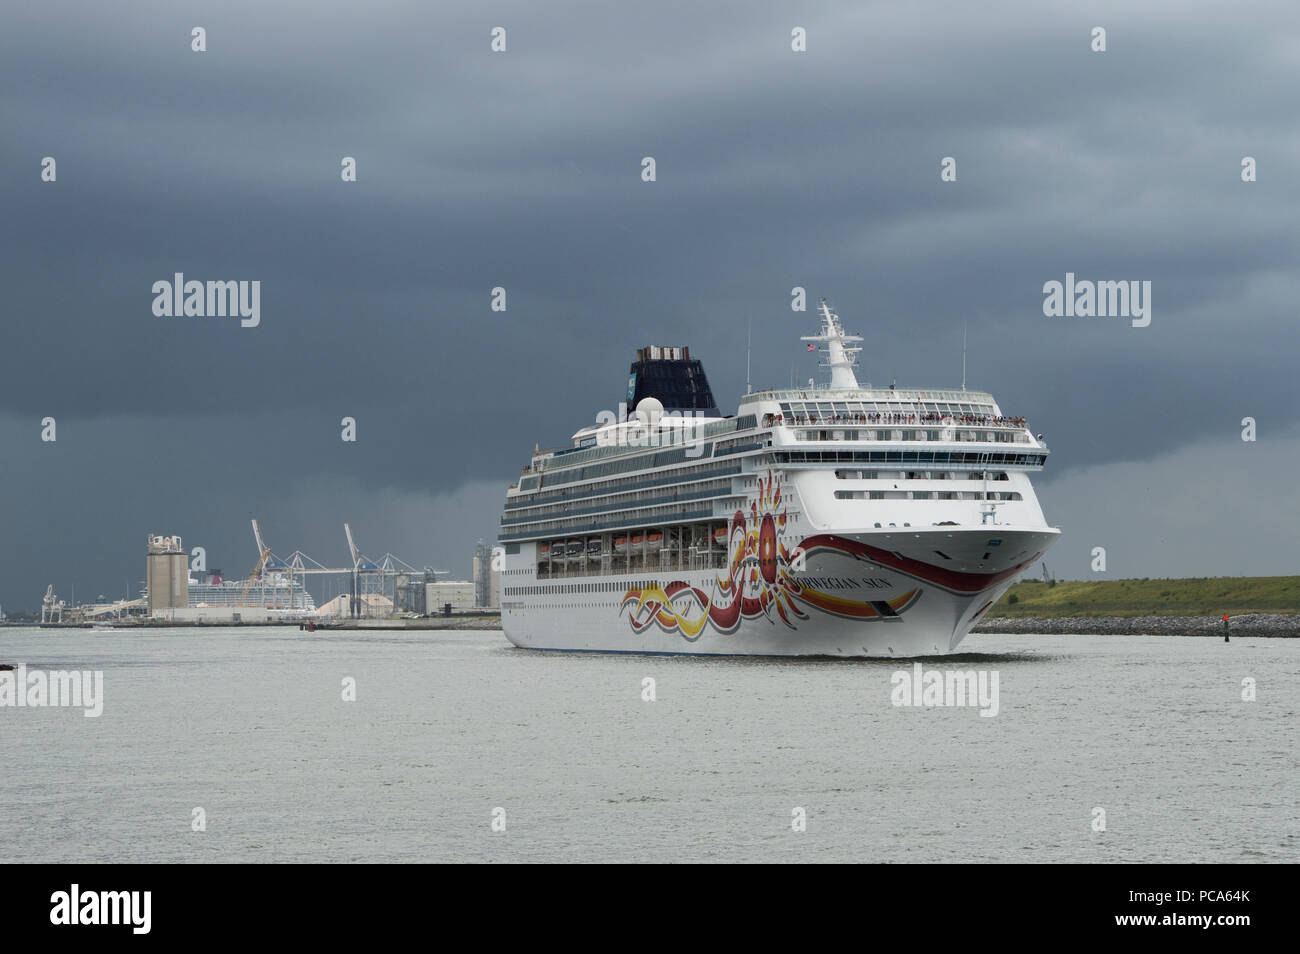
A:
{"points": [[840, 357]]}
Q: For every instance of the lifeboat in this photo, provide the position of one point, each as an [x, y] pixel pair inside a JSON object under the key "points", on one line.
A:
{"points": [[620, 544], [720, 537], [654, 540]]}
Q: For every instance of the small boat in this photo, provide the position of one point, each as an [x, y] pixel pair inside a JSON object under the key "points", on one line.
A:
{"points": [[575, 548], [655, 540], [593, 548], [620, 544], [720, 537]]}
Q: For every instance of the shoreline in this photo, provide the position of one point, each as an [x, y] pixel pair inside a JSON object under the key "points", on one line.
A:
{"points": [[467, 621], [1280, 625]]}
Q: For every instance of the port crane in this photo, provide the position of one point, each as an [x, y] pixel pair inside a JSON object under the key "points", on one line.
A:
{"points": [[264, 554], [51, 607], [368, 577], [354, 600]]}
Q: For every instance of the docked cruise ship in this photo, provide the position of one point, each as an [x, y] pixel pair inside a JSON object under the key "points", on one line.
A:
{"points": [[839, 520], [273, 591]]}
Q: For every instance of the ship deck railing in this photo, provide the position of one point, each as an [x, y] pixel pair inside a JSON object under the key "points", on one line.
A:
{"points": [[900, 420], [867, 394]]}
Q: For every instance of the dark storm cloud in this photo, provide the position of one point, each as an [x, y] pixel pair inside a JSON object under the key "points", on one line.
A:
{"points": [[522, 169]]}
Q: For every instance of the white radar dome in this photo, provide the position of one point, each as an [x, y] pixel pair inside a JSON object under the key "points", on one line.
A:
{"points": [[649, 410]]}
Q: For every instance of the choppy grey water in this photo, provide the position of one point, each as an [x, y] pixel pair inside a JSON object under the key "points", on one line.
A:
{"points": [[250, 725]]}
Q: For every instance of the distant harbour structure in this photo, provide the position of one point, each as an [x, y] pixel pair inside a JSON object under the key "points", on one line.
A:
{"points": [[450, 596], [410, 592], [367, 605], [172, 594], [275, 590], [487, 578], [51, 607], [166, 574]]}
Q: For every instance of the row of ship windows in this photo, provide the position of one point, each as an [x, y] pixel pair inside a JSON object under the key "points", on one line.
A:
{"points": [[653, 461], [568, 457], [676, 475], [621, 564], [984, 458], [919, 475], [555, 589], [657, 460], [841, 408], [925, 495], [613, 517], [959, 436], [523, 608], [607, 502]]}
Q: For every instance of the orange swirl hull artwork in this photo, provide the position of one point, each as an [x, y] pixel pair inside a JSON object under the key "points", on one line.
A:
{"points": [[759, 583]]}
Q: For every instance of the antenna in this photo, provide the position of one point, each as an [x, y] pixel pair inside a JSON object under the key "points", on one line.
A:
{"points": [[963, 355], [749, 337]]}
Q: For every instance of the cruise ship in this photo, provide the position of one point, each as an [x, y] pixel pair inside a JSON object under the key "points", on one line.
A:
{"points": [[835, 520], [275, 591]]}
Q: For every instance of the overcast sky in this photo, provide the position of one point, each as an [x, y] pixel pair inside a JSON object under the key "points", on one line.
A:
{"points": [[522, 169]]}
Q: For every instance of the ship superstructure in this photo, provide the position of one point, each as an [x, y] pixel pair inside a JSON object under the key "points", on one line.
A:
{"points": [[836, 520], [277, 592]]}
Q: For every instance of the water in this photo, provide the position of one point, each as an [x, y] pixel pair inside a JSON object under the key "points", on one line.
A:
{"points": [[249, 724]]}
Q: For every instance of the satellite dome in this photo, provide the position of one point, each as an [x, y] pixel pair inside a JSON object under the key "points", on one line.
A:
{"points": [[649, 410]]}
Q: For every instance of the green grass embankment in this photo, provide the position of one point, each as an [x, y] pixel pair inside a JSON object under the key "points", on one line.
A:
{"points": [[1188, 597]]}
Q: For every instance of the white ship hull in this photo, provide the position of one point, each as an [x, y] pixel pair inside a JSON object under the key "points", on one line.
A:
{"points": [[861, 594]]}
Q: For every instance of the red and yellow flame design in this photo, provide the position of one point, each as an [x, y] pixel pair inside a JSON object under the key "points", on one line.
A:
{"points": [[758, 582]]}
